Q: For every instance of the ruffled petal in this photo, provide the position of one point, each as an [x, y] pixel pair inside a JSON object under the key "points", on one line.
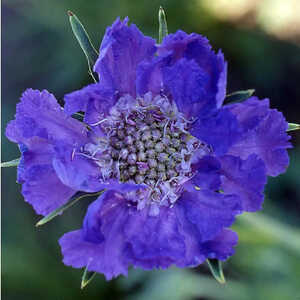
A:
{"points": [[221, 247], [39, 115], [264, 134], [39, 124], [209, 211], [245, 178], [220, 130], [122, 49], [94, 100], [40, 185], [196, 47], [116, 235], [104, 251]]}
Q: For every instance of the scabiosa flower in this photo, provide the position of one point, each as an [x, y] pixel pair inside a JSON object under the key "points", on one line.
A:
{"points": [[176, 164]]}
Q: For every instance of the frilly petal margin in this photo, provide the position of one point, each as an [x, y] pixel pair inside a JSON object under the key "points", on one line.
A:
{"points": [[122, 49], [39, 115], [196, 47], [40, 184], [94, 99], [116, 235], [245, 178], [40, 123], [124, 236], [221, 247], [209, 211], [264, 134]]}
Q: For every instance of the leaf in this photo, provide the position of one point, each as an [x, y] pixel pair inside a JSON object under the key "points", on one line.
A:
{"points": [[270, 228], [293, 126], [12, 163], [78, 116], [239, 96], [84, 42], [87, 277], [216, 269], [61, 209], [163, 28]]}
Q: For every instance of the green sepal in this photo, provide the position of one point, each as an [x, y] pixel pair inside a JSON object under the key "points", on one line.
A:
{"points": [[87, 277], [78, 196], [293, 126], [78, 116], [84, 42], [216, 269], [12, 163], [239, 96], [163, 27]]}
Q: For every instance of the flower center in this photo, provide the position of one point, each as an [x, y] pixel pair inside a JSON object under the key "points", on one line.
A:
{"points": [[147, 143]]}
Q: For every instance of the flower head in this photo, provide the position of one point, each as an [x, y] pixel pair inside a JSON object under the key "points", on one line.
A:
{"points": [[176, 163]]}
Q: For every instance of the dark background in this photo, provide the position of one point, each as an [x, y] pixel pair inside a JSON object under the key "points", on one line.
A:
{"points": [[260, 40]]}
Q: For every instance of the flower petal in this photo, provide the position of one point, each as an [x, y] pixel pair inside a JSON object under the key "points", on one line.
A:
{"points": [[221, 247], [38, 114], [149, 76], [186, 82], [40, 185], [104, 252], [220, 130], [83, 174], [94, 100], [209, 211], [155, 241], [39, 124], [207, 173], [264, 134], [122, 49], [245, 178], [196, 47]]}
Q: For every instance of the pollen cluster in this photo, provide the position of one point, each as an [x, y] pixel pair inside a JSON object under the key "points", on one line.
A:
{"points": [[146, 141], [146, 148]]}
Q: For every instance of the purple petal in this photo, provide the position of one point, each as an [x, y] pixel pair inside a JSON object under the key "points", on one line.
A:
{"points": [[40, 184], [196, 47], [220, 130], [193, 254], [264, 134], [245, 178], [149, 76], [82, 173], [186, 82], [122, 49], [207, 173], [221, 247], [209, 211], [39, 115], [155, 241], [100, 245], [94, 100], [39, 124]]}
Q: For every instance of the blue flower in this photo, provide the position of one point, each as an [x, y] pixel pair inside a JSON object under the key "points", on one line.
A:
{"points": [[176, 163]]}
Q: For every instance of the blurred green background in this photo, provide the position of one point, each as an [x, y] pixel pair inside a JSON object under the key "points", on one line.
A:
{"points": [[260, 39]]}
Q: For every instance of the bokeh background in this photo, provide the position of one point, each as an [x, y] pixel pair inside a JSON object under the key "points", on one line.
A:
{"points": [[260, 39]]}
